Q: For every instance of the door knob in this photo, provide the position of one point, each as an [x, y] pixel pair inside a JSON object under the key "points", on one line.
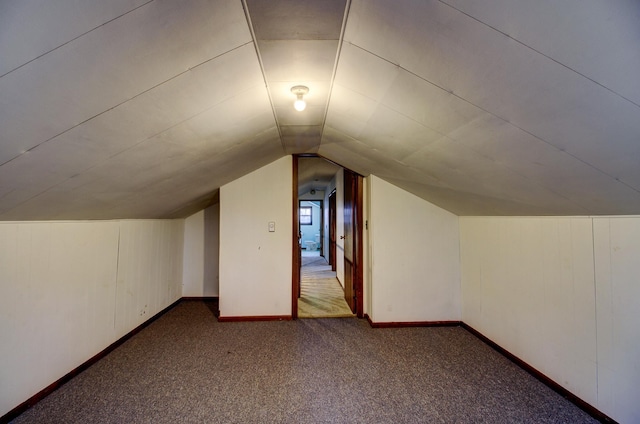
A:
{"points": [[342, 237]]}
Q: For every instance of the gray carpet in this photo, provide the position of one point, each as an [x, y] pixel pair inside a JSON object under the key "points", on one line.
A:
{"points": [[188, 368]]}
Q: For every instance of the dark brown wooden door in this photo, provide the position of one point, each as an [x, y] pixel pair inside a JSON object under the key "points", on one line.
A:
{"points": [[353, 246], [332, 230]]}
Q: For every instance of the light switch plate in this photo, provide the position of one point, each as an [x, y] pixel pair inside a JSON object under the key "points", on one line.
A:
{"points": [[272, 227]]}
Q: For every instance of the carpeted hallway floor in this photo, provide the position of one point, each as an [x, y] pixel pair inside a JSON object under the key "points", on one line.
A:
{"points": [[188, 368], [322, 296]]}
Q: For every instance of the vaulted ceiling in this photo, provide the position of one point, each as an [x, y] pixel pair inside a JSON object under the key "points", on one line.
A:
{"points": [[144, 108]]}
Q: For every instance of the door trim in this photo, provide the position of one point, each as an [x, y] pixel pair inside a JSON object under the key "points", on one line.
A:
{"points": [[358, 284], [332, 230], [295, 243], [359, 237]]}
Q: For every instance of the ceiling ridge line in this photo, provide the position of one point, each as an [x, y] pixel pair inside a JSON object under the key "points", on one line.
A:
{"points": [[122, 103], [247, 15], [347, 9], [75, 38], [542, 54], [502, 119]]}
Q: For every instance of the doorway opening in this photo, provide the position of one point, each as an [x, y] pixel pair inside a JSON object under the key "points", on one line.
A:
{"points": [[311, 218], [327, 279]]}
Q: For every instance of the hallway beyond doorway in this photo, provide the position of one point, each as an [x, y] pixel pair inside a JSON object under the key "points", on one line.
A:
{"points": [[322, 296]]}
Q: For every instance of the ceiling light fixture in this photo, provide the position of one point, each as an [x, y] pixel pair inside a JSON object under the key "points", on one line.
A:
{"points": [[299, 91]]}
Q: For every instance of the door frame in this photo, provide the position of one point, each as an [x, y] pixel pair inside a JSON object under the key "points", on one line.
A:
{"points": [[321, 226], [296, 253], [358, 282], [332, 229]]}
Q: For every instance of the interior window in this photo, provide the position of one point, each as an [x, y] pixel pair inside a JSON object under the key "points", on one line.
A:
{"points": [[305, 215]]}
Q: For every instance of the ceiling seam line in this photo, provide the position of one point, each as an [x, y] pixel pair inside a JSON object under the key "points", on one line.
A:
{"points": [[447, 136], [247, 16], [5, 195], [547, 189], [501, 118], [345, 18], [122, 102], [540, 53], [46, 190], [75, 38]]}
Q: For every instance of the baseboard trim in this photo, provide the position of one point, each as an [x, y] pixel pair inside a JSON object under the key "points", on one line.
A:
{"points": [[256, 318], [15, 412], [200, 298], [402, 324], [587, 407]]}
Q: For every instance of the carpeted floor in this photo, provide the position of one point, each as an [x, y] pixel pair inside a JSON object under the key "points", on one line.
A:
{"points": [[322, 296], [188, 368]]}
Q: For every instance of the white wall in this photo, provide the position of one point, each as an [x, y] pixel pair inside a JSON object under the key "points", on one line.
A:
{"points": [[201, 238], [255, 264], [212, 250], [330, 187], [337, 183], [70, 289], [562, 294], [617, 270], [325, 229], [193, 260], [414, 247]]}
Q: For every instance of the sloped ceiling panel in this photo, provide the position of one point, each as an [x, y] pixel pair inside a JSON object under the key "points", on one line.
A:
{"points": [[143, 116], [144, 108], [32, 28], [592, 38], [507, 128], [315, 174]]}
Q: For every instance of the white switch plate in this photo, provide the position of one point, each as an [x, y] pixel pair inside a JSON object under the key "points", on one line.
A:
{"points": [[272, 227]]}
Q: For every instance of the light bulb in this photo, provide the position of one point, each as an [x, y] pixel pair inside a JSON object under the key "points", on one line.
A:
{"points": [[299, 104], [299, 91]]}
